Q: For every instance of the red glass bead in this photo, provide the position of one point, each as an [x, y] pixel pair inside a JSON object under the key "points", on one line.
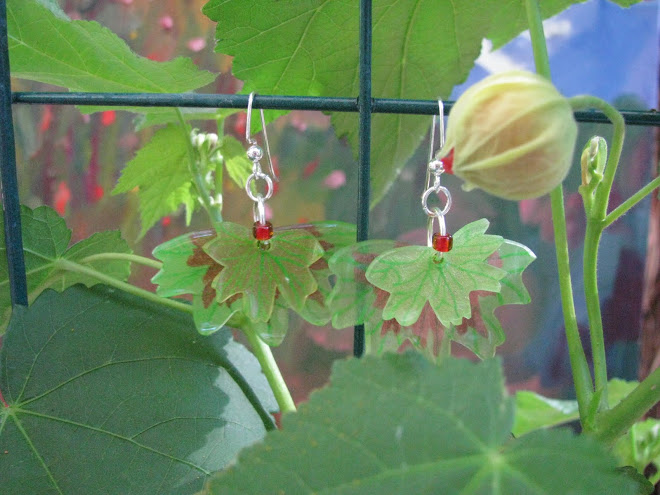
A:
{"points": [[448, 162], [262, 231], [442, 243]]}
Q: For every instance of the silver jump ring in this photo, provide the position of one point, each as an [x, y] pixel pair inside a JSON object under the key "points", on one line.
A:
{"points": [[442, 226], [436, 212], [259, 211], [269, 187]]}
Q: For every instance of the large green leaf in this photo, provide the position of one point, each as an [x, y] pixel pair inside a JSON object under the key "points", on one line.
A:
{"points": [[85, 56], [416, 275], [161, 173], [401, 425], [421, 50], [106, 394], [49, 263]]}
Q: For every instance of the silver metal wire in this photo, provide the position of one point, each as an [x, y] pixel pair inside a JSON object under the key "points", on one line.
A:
{"points": [[253, 142]]}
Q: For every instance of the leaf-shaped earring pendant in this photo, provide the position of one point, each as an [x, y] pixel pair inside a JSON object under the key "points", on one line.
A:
{"points": [[430, 295]]}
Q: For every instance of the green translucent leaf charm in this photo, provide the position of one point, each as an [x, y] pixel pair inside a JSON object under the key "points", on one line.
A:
{"points": [[355, 300], [258, 271], [415, 275], [188, 268]]}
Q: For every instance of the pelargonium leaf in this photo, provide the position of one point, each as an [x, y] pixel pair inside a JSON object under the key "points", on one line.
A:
{"points": [[189, 269], [401, 425], [258, 273], [415, 275], [355, 300]]}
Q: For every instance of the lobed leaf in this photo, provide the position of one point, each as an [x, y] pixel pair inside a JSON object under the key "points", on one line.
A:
{"points": [[160, 172], [401, 425], [106, 394], [84, 56], [48, 262], [415, 275], [421, 50], [258, 272]]}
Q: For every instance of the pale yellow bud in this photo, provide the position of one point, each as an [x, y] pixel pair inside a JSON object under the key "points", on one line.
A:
{"points": [[512, 135]]}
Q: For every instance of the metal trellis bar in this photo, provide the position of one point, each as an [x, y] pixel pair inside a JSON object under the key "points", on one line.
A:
{"points": [[273, 102]]}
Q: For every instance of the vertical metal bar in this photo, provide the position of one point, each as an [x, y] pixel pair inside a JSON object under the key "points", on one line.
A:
{"points": [[8, 179], [365, 108]]}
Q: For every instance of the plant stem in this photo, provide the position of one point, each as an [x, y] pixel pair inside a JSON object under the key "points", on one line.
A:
{"points": [[133, 258], [131, 289], [202, 191], [268, 365], [595, 225], [581, 374], [579, 366], [590, 269], [624, 207], [615, 422]]}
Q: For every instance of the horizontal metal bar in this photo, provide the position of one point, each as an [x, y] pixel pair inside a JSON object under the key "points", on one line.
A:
{"points": [[324, 104]]}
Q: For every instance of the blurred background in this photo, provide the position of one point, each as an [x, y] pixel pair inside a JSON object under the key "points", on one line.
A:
{"points": [[71, 162]]}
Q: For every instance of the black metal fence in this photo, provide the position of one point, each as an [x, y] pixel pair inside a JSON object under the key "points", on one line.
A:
{"points": [[363, 104]]}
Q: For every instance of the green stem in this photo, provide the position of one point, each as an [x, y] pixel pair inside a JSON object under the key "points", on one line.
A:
{"points": [[580, 367], [612, 424], [131, 289], [202, 191], [539, 46], [590, 269], [133, 258], [595, 224], [624, 207], [268, 365]]}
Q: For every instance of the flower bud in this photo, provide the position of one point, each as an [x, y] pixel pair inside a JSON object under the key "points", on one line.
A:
{"points": [[512, 135]]}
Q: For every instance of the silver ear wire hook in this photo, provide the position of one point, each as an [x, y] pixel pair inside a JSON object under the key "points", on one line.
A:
{"points": [[253, 142], [439, 121]]}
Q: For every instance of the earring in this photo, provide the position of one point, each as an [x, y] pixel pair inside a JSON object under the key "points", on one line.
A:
{"points": [[428, 296], [242, 276]]}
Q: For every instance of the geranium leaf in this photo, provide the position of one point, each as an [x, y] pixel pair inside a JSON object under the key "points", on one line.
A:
{"points": [[106, 393], [401, 425], [85, 56], [257, 272], [161, 175], [482, 332], [355, 300], [48, 262], [415, 275], [189, 269]]}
